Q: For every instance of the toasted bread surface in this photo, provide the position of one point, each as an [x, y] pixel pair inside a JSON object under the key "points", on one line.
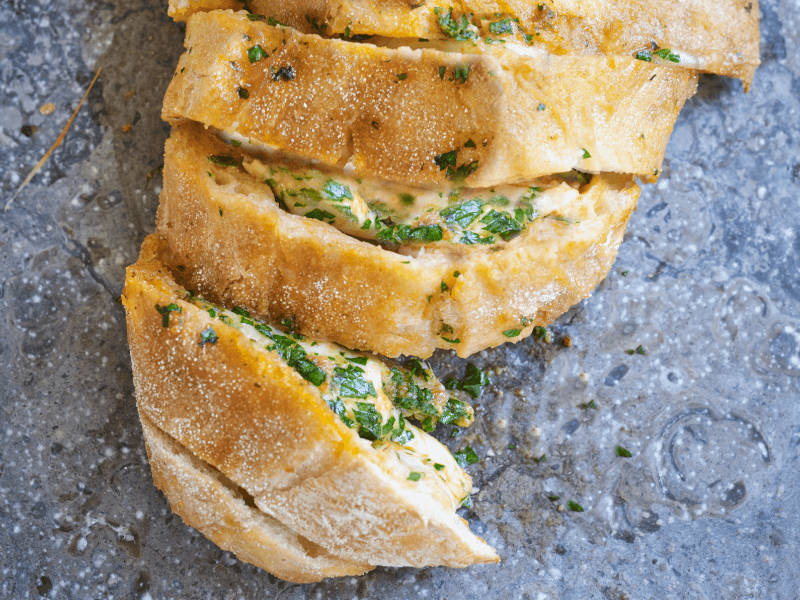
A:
{"points": [[206, 500], [236, 246], [719, 37], [394, 113], [242, 410]]}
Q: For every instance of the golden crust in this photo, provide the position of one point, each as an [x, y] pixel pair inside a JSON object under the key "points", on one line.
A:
{"points": [[388, 113], [719, 36], [236, 246], [210, 503], [247, 414]]}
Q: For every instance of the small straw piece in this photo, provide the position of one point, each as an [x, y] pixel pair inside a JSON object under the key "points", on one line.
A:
{"points": [[55, 145]]}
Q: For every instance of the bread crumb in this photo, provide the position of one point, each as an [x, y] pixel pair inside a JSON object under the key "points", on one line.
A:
{"points": [[46, 109], [126, 128], [567, 341]]}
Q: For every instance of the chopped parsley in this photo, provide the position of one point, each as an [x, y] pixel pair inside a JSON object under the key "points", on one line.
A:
{"points": [[588, 405], [586, 153], [454, 411], [622, 452], [501, 27], [224, 160], [463, 214], [512, 333], [402, 76], [337, 191], [574, 506], [165, 312], [460, 74], [208, 336], [554, 498], [461, 30], [352, 384], [255, 54], [244, 94], [466, 457], [438, 466], [294, 355], [398, 234], [414, 476], [321, 215], [473, 383]]}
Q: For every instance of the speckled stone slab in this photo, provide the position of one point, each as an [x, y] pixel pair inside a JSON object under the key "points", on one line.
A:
{"points": [[706, 287]]}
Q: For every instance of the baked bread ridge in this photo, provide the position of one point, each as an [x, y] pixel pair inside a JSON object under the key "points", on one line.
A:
{"points": [[246, 413], [202, 497], [237, 247], [719, 37], [390, 113]]}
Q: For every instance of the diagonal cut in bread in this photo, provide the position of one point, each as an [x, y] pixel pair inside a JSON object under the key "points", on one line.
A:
{"points": [[236, 246], [217, 387], [394, 113], [714, 36], [208, 501]]}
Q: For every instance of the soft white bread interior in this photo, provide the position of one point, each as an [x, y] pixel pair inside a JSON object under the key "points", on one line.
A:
{"points": [[208, 501], [393, 113], [715, 36], [235, 404], [234, 244]]}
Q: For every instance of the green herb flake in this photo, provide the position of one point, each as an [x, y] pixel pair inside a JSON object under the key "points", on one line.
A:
{"points": [[321, 215], [208, 336], [541, 106], [337, 191], [622, 452], [625, 273], [501, 27], [554, 498], [470, 144], [640, 350], [462, 214], [474, 381], [454, 411], [466, 501], [461, 30], [255, 54], [574, 506], [511, 447], [442, 71], [223, 160], [244, 94], [369, 420], [512, 333], [352, 384], [444, 287], [359, 360], [414, 476], [466, 457], [668, 55], [541, 333], [588, 405], [402, 76], [460, 74], [586, 153], [165, 311], [438, 466]]}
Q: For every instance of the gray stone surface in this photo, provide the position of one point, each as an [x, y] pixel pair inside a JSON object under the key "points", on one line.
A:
{"points": [[707, 282]]}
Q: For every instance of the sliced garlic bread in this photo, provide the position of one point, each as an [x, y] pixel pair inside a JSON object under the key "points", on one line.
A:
{"points": [[208, 501], [398, 114], [313, 432], [719, 37], [236, 245]]}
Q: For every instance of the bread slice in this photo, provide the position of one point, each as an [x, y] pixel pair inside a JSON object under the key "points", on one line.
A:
{"points": [[233, 243], [394, 113], [208, 501], [237, 405], [719, 37]]}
